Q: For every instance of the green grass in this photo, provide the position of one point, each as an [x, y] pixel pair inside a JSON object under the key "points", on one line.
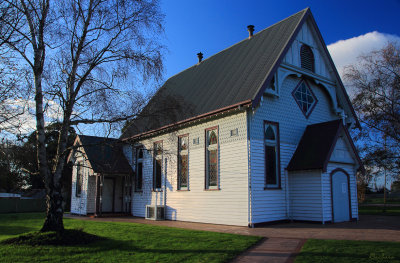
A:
{"points": [[378, 210], [123, 242], [345, 251], [379, 200]]}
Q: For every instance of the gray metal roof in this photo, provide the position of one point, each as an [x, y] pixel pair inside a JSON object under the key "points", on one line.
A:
{"points": [[105, 155], [229, 77]]}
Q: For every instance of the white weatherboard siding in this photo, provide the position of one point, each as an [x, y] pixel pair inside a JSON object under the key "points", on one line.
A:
{"points": [[226, 206], [270, 204], [273, 204], [306, 196], [79, 205]]}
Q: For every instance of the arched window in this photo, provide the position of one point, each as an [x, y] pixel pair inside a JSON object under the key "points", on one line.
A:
{"points": [[269, 133], [272, 162], [213, 138], [307, 58], [212, 159]]}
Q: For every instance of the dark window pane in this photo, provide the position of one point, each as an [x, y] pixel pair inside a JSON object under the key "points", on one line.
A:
{"points": [[269, 133], [79, 181], [270, 163], [157, 173], [140, 153]]}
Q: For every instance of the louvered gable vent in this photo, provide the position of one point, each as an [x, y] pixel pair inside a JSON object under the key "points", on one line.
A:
{"points": [[307, 58]]}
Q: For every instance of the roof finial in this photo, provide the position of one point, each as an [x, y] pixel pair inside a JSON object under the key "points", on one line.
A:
{"points": [[200, 56], [250, 28]]}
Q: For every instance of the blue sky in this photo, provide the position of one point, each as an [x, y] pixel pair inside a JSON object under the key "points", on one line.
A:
{"points": [[210, 26]]}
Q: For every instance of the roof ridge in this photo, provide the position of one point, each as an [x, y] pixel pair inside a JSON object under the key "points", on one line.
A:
{"points": [[237, 43]]}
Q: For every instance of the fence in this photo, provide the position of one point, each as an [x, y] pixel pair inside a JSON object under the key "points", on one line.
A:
{"points": [[17, 205]]}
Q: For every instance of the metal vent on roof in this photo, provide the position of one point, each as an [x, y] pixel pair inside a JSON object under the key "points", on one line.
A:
{"points": [[307, 58]]}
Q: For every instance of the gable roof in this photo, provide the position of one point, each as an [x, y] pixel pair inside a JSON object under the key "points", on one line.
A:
{"points": [[104, 154], [236, 76], [317, 144]]}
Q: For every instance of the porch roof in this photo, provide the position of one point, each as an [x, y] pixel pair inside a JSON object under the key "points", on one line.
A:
{"points": [[104, 154], [316, 146]]}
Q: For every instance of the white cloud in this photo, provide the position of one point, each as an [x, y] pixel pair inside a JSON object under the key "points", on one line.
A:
{"points": [[345, 52], [25, 122]]}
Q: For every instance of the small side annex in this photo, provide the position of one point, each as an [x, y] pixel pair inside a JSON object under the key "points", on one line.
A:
{"points": [[101, 177], [322, 184]]}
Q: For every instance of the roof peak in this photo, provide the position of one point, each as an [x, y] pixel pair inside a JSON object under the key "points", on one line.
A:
{"points": [[305, 10]]}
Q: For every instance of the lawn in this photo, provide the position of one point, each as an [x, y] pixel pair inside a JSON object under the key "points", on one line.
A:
{"points": [[124, 242], [345, 251], [378, 210], [379, 200]]}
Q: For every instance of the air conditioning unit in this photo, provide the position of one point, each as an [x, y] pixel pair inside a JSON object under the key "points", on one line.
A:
{"points": [[155, 212]]}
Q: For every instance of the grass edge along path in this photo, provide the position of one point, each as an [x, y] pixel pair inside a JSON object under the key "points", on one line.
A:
{"points": [[122, 242], [346, 251]]}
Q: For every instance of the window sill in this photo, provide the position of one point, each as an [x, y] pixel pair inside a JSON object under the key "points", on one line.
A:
{"points": [[157, 190], [217, 189], [272, 188], [182, 190]]}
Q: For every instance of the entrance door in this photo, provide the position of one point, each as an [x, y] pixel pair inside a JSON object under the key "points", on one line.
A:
{"points": [[108, 195], [340, 197]]}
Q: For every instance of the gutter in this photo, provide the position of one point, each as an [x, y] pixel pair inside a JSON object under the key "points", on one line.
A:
{"points": [[239, 106]]}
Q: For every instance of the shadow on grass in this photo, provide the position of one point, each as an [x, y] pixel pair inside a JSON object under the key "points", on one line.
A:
{"points": [[15, 230], [69, 237]]}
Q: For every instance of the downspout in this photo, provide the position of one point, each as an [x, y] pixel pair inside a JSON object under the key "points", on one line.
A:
{"points": [[250, 217]]}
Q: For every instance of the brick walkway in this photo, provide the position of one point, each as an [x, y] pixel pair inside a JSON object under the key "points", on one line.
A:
{"points": [[272, 250], [284, 240]]}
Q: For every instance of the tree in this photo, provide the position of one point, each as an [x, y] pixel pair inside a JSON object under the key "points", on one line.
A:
{"points": [[11, 178], [376, 82], [80, 53]]}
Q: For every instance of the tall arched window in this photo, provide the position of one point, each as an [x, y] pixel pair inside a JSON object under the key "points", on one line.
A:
{"points": [[307, 58], [212, 159], [272, 162]]}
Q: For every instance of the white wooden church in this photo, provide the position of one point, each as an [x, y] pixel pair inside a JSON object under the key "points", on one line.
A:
{"points": [[253, 134]]}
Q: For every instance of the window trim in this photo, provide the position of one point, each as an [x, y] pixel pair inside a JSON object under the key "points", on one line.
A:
{"points": [[154, 189], [178, 187], [137, 149], [304, 45], [278, 157], [79, 178], [206, 187], [306, 114]]}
